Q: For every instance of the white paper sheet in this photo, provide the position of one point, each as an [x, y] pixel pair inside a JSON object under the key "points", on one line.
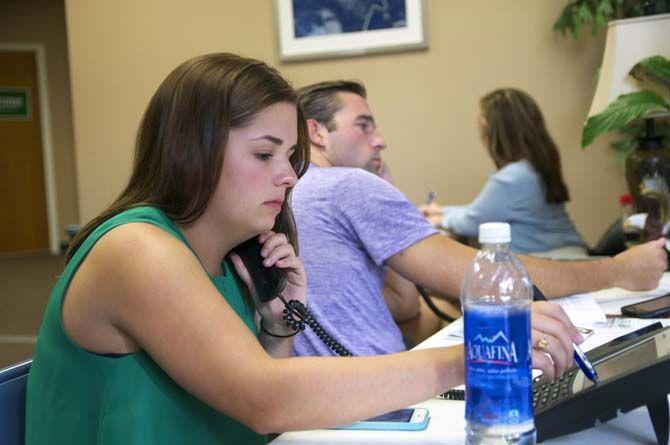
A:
{"points": [[582, 309], [611, 300]]}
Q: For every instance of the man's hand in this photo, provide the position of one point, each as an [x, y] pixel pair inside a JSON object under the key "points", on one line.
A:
{"points": [[641, 267], [384, 172]]}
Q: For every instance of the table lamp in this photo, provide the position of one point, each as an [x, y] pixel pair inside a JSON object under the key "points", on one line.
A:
{"points": [[648, 167]]}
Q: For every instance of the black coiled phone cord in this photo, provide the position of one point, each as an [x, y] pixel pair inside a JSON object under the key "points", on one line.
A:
{"points": [[297, 316]]}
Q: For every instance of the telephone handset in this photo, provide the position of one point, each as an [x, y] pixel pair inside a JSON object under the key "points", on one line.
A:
{"points": [[270, 282]]}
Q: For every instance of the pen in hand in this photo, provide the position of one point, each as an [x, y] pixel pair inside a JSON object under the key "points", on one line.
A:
{"points": [[428, 213], [431, 197], [580, 358]]}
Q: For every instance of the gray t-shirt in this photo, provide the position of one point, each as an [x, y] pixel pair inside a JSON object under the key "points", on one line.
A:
{"points": [[349, 223]]}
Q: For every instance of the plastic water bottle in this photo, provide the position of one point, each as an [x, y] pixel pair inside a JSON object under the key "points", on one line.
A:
{"points": [[496, 294]]}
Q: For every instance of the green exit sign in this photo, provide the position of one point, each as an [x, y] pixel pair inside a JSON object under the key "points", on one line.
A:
{"points": [[15, 103]]}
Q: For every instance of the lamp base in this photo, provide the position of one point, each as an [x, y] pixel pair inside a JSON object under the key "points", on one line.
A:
{"points": [[648, 177]]}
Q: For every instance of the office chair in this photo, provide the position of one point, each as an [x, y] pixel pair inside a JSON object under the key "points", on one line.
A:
{"points": [[13, 402], [612, 242]]}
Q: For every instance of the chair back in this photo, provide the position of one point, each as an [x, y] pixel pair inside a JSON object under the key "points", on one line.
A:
{"points": [[13, 403]]}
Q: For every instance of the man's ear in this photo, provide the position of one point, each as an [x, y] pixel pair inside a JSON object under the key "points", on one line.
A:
{"points": [[318, 133]]}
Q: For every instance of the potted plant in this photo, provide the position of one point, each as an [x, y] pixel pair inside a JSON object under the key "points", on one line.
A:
{"points": [[596, 13], [640, 117], [637, 115], [631, 107]]}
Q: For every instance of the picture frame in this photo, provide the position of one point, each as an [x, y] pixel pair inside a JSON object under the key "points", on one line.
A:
{"points": [[318, 29]]}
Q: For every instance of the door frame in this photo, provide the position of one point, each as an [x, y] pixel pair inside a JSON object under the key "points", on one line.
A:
{"points": [[47, 140]]}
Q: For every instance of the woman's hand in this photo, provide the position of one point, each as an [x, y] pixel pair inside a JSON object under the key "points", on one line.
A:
{"points": [[552, 338], [433, 213], [278, 252]]}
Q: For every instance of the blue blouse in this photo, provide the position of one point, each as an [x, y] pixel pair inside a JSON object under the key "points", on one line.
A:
{"points": [[516, 194]]}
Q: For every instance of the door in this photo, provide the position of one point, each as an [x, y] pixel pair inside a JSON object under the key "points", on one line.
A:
{"points": [[23, 208]]}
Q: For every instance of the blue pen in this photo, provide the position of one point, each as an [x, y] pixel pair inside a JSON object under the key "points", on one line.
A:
{"points": [[582, 360]]}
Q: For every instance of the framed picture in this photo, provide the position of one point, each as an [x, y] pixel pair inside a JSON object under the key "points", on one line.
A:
{"points": [[312, 29]]}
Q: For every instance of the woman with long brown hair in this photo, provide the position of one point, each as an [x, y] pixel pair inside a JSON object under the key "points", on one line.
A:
{"points": [[154, 332], [527, 190]]}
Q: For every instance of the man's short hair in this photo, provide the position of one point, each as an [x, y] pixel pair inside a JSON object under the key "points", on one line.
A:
{"points": [[319, 101]]}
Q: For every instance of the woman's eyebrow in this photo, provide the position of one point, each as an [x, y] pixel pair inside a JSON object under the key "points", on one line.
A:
{"points": [[275, 140]]}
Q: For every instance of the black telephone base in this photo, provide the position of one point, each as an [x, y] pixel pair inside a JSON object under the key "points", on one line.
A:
{"points": [[658, 413], [648, 387], [660, 419]]}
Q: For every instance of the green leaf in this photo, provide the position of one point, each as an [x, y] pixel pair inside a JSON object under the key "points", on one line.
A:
{"points": [[559, 24], [603, 12], [629, 140], [599, 22], [626, 108], [575, 30], [563, 22], [584, 14], [634, 130], [605, 8], [654, 68], [624, 146], [571, 21]]}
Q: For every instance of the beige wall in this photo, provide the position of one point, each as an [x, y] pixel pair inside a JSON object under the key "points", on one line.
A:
{"points": [[43, 22], [25, 281], [425, 102]]}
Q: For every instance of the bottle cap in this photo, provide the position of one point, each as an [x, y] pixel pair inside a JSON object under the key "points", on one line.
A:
{"points": [[625, 198], [494, 233]]}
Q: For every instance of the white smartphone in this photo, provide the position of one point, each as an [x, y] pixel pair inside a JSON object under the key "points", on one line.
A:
{"points": [[408, 419]]}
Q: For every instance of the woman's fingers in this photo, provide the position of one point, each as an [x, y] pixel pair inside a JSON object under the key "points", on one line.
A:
{"points": [[270, 240], [542, 362], [431, 209], [551, 310], [551, 346], [289, 262], [435, 220], [557, 336], [566, 329], [275, 247], [556, 312], [277, 251], [553, 335]]}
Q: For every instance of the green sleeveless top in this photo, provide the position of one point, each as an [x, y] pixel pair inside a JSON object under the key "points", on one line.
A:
{"points": [[78, 397]]}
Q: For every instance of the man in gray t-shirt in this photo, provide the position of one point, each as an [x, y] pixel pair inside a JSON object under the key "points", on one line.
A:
{"points": [[351, 224]]}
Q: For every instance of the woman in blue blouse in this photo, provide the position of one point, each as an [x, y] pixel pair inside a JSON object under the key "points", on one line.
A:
{"points": [[527, 190]]}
